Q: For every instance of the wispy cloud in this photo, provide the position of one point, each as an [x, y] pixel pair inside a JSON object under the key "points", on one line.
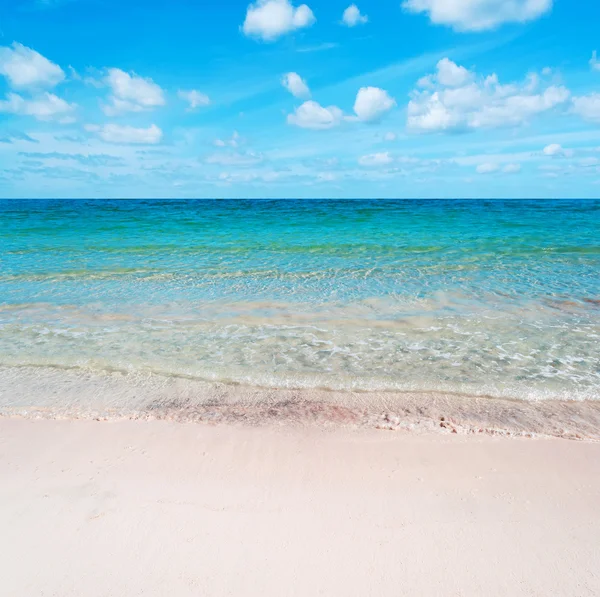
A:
{"points": [[318, 48]]}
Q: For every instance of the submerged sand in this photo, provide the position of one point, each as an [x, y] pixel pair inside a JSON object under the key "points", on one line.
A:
{"points": [[161, 508]]}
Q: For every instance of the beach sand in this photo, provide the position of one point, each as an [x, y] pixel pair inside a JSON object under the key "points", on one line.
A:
{"points": [[155, 508]]}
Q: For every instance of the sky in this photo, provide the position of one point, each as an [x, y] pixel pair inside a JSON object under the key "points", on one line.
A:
{"points": [[394, 98]]}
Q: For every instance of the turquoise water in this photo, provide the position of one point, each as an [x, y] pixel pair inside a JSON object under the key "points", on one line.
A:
{"points": [[497, 298]]}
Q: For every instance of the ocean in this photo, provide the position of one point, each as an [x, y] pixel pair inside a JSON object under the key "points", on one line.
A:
{"points": [[475, 298]]}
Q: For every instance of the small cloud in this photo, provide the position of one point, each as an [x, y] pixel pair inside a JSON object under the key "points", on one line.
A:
{"points": [[318, 48], [450, 74], [352, 17], [234, 141], [594, 62], [114, 133], [194, 98], [44, 107], [311, 115], [427, 82], [24, 67], [390, 136], [326, 177], [486, 168], [372, 103], [296, 85], [270, 19], [73, 74], [588, 107], [376, 159], [512, 169], [556, 150], [131, 93], [478, 15]]}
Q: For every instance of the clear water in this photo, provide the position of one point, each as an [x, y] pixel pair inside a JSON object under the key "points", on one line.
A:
{"points": [[496, 298]]}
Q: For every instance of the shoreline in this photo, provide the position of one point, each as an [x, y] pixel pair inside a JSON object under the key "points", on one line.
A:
{"points": [[162, 508], [46, 393]]}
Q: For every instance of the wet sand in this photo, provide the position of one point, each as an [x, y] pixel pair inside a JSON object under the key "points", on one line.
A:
{"points": [[58, 393], [164, 508]]}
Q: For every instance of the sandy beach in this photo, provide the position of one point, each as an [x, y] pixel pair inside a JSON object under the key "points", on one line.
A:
{"points": [[162, 508]]}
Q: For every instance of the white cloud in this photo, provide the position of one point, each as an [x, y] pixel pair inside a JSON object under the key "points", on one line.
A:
{"points": [[459, 100], [487, 168], [450, 74], [296, 85], [47, 106], [311, 115], [235, 159], [270, 19], [24, 67], [588, 106], [131, 93], [234, 141], [556, 150], [594, 62], [553, 149], [114, 133], [478, 15], [353, 17], [389, 136], [326, 177], [195, 99], [512, 169], [376, 159], [372, 103]]}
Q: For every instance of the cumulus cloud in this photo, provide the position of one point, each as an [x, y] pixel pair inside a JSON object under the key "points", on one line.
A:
{"points": [[372, 103], [24, 67], [296, 85], [353, 17], [311, 115], [478, 15], [46, 106], [451, 74], [131, 93], [114, 133], [588, 107], [555, 150], [195, 99], [459, 100], [270, 19], [376, 159], [594, 62]]}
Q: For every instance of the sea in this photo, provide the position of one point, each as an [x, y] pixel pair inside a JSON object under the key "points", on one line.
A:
{"points": [[472, 298]]}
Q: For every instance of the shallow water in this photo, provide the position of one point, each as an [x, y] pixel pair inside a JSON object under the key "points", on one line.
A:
{"points": [[482, 298]]}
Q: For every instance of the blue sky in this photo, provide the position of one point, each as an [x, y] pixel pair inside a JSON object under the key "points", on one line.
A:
{"points": [[398, 98]]}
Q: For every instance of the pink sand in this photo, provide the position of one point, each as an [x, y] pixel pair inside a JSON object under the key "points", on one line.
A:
{"points": [[159, 508]]}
